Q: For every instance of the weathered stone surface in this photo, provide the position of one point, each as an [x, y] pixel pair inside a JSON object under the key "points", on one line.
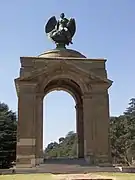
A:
{"points": [[86, 80]]}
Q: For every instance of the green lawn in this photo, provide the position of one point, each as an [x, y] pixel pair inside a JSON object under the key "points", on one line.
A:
{"points": [[116, 176], [27, 177], [119, 176]]}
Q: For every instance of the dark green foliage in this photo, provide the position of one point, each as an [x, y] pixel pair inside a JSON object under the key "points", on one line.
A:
{"points": [[8, 127], [131, 109], [67, 147], [122, 135]]}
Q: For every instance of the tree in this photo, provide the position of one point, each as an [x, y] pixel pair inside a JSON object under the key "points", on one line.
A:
{"points": [[122, 135], [118, 141], [61, 139], [8, 126], [67, 147], [69, 134], [131, 109]]}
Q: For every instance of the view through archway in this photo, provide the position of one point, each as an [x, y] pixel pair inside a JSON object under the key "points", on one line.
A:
{"points": [[60, 137], [59, 125]]}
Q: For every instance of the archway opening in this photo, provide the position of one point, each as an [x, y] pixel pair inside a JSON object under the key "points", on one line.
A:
{"points": [[59, 125], [63, 135]]}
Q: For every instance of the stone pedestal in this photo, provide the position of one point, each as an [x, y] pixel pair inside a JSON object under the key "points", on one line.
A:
{"points": [[86, 80]]}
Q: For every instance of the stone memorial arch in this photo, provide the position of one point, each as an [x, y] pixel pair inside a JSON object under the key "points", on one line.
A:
{"points": [[65, 69], [86, 80]]}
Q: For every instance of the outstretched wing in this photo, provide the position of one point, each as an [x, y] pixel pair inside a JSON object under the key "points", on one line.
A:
{"points": [[50, 25], [72, 26]]}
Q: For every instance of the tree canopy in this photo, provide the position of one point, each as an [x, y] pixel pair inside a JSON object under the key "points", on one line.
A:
{"points": [[67, 147], [122, 135], [8, 127]]}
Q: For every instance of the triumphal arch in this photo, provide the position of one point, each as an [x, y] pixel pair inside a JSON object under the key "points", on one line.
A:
{"points": [[84, 78]]}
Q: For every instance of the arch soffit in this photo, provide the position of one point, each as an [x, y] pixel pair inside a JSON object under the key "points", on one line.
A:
{"points": [[66, 85]]}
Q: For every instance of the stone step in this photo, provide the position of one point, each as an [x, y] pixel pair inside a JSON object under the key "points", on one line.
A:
{"points": [[65, 169]]}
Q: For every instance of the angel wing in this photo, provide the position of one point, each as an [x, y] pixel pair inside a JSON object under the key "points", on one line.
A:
{"points": [[72, 26], [50, 25]]}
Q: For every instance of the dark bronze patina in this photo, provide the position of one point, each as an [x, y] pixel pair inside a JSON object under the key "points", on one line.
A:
{"points": [[61, 31]]}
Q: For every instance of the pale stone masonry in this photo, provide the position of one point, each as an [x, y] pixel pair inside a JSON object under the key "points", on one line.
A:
{"points": [[86, 80]]}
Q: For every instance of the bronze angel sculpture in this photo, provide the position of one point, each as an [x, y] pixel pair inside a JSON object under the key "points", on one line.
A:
{"points": [[61, 31]]}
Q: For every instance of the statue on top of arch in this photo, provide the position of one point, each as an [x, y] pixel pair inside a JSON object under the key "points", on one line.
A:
{"points": [[61, 31]]}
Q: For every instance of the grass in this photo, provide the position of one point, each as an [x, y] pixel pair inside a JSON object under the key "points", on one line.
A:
{"points": [[27, 177], [118, 176], [115, 176]]}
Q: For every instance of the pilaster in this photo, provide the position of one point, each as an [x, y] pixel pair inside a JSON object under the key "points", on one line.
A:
{"points": [[39, 128], [96, 127], [26, 139], [80, 130]]}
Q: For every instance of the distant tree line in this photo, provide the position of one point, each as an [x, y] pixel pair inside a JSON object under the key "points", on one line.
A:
{"points": [[122, 138], [67, 147]]}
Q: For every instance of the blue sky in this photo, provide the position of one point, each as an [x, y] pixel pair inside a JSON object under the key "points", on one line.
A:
{"points": [[105, 29]]}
